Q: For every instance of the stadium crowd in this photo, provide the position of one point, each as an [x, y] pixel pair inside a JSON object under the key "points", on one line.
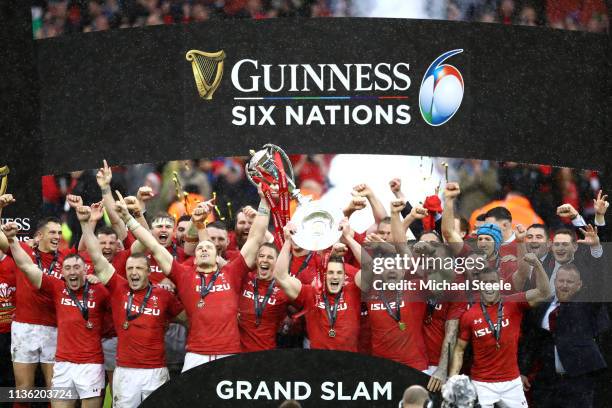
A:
{"points": [[57, 17], [142, 296]]}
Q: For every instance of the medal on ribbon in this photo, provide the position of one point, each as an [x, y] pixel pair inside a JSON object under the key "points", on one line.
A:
{"points": [[131, 316], [205, 290], [332, 311]]}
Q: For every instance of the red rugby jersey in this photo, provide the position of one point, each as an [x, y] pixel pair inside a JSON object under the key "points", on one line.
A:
{"points": [[213, 327], [75, 342], [141, 345], [262, 337], [347, 322], [489, 363]]}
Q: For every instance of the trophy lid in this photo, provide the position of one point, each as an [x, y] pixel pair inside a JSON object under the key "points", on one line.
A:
{"points": [[317, 226]]}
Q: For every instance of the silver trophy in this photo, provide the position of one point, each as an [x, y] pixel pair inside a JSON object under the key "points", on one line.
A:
{"points": [[317, 225]]}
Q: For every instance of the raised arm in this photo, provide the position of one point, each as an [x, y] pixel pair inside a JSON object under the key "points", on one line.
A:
{"points": [[97, 212], [289, 284], [104, 270], [542, 290], [591, 239], [196, 231], [104, 178], [21, 258], [457, 360], [520, 277], [416, 214], [349, 240], [137, 207], [257, 233], [357, 203], [75, 201], [134, 208], [358, 252], [378, 209], [5, 200], [162, 256], [396, 188], [600, 204], [398, 234], [451, 236]]}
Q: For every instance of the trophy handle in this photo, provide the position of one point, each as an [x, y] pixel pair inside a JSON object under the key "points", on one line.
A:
{"points": [[286, 162], [4, 171], [248, 174]]}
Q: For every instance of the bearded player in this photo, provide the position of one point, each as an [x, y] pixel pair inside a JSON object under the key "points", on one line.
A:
{"points": [[210, 293], [263, 305], [80, 308], [396, 316], [141, 313], [439, 323], [493, 327]]}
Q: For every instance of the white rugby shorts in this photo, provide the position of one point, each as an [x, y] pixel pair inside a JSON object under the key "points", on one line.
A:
{"points": [[510, 393], [85, 380], [33, 343], [132, 385]]}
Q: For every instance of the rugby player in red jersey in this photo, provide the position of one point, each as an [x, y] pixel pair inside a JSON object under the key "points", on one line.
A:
{"points": [[303, 263], [502, 217], [396, 315], [162, 225], [217, 233], [493, 327], [182, 226], [8, 272], [489, 239], [80, 308], [443, 308], [34, 328], [210, 293], [162, 228], [238, 237], [109, 244], [333, 314], [263, 305], [141, 313]]}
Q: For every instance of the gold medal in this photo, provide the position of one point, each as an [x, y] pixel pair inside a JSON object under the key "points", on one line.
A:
{"points": [[200, 304], [497, 345], [402, 326], [126, 324], [89, 325], [332, 333]]}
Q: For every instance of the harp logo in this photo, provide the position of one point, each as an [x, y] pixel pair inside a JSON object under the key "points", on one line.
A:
{"points": [[441, 91], [207, 70]]}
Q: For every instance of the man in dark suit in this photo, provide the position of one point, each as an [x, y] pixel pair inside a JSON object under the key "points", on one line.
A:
{"points": [[586, 254], [564, 338], [563, 248]]}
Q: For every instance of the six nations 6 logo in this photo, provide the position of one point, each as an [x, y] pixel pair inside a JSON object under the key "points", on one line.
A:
{"points": [[441, 91], [328, 94]]}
